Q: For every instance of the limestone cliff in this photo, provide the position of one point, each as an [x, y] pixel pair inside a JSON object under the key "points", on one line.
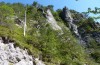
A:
{"points": [[11, 55]]}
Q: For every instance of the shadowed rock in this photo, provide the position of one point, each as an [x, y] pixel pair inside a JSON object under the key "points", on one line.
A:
{"points": [[68, 18]]}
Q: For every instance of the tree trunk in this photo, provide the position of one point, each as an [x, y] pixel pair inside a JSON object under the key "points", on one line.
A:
{"points": [[25, 24]]}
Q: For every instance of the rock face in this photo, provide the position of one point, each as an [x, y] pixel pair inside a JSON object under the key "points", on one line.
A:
{"points": [[19, 22], [52, 21], [9, 55], [68, 18], [39, 62], [97, 24], [14, 56], [92, 35]]}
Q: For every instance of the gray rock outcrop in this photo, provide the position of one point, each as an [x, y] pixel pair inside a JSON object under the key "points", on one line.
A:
{"points": [[15, 56], [68, 18], [52, 21], [9, 55]]}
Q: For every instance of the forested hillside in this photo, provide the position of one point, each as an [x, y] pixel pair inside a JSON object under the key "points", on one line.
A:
{"points": [[61, 37]]}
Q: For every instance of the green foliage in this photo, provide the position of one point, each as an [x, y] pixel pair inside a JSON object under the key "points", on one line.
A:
{"points": [[56, 16], [2, 3], [76, 15], [96, 55], [88, 25], [50, 7], [7, 12], [19, 9], [35, 3], [29, 10], [41, 40]]}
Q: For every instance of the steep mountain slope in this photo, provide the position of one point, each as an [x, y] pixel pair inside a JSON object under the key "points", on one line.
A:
{"points": [[86, 30], [54, 37]]}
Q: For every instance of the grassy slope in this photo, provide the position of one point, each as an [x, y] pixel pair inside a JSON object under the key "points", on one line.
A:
{"points": [[53, 48]]}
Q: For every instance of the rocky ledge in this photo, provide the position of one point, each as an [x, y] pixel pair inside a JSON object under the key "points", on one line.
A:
{"points": [[10, 55]]}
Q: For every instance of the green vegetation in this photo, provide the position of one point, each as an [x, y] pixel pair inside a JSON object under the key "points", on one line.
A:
{"points": [[41, 40]]}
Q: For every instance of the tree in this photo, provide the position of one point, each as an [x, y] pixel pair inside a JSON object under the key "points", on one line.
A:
{"points": [[35, 4], [2, 3], [25, 25], [29, 9], [89, 9], [50, 7], [19, 9], [5, 11]]}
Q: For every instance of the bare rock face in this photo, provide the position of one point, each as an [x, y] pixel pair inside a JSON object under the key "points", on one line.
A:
{"points": [[68, 18], [9, 55], [91, 36], [52, 21], [39, 62], [16, 56], [97, 24], [67, 15]]}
